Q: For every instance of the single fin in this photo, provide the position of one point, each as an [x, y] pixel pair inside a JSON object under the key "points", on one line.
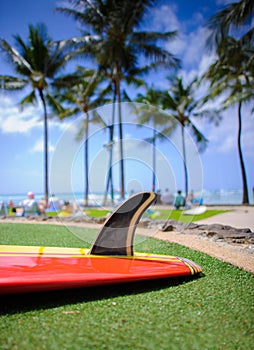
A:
{"points": [[116, 236]]}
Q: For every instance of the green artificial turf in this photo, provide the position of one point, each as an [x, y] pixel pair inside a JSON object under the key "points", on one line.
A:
{"points": [[211, 312], [157, 214], [92, 212], [96, 213], [164, 214]]}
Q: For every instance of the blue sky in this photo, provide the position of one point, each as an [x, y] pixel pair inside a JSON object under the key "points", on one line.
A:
{"points": [[21, 145]]}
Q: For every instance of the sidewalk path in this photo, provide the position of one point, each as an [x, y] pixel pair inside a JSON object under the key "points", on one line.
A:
{"points": [[239, 217]]}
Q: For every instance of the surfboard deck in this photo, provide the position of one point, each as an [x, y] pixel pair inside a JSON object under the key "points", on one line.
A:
{"points": [[110, 260], [34, 269]]}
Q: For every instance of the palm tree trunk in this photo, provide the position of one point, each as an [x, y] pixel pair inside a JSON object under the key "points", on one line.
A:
{"points": [[109, 181], [111, 163], [245, 199], [121, 152], [122, 185], [111, 149], [86, 160], [154, 160], [184, 162], [46, 186]]}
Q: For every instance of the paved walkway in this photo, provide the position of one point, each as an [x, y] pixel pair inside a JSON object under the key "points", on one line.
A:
{"points": [[239, 217]]}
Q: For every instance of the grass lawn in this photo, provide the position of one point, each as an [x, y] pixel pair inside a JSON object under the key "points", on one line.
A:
{"points": [[157, 214], [211, 312], [164, 214]]}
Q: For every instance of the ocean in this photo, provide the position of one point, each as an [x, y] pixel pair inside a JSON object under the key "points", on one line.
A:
{"points": [[218, 197]]}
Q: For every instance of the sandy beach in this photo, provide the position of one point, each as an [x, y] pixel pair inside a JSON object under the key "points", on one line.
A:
{"points": [[240, 255]]}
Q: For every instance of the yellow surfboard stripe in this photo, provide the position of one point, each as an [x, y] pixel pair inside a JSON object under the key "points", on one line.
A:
{"points": [[35, 251]]}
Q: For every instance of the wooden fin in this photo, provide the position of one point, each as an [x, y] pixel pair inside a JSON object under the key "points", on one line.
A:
{"points": [[116, 236]]}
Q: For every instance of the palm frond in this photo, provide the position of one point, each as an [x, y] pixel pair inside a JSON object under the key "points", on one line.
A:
{"points": [[97, 119], [201, 140], [152, 37], [233, 15], [54, 104], [14, 56], [29, 99], [8, 82]]}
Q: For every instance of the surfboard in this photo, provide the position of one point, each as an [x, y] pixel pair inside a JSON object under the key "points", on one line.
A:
{"points": [[196, 210], [110, 260]]}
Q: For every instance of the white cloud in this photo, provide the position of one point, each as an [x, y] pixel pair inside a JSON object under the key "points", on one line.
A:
{"points": [[206, 61], [39, 147], [223, 139], [195, 46], [190, 45], [15, 120], [164, 18], [18, 124]]}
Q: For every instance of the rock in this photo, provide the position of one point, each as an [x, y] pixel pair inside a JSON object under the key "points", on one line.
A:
{"points": [[191, 226], [215, 231], [144, 223], [99, 220], [171, 225], [227, 233], [168, 228]]}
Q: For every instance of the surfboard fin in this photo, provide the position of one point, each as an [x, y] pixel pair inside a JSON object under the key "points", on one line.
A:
{"points": [[116, 236]]}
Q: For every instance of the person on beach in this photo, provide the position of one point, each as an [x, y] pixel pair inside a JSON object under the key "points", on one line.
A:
{"points": [[167, 198], [30, 205], [158, 199], [3, 209], [179, 200], [42, 206], [11, 207], [54, 204]]}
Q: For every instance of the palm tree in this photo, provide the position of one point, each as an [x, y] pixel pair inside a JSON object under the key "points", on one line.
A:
{"points": [[181, 104], [97, 118], [234, 64], [36, 63], [149, 111], [233, 74], [80, 92], [233, 16], [118, 44]]}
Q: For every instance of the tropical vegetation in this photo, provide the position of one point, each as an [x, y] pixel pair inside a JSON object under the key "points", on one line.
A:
{"points": [[236, 15], [116, 53], [117, 45], [149, 112], [182, 104], [36, 63], [80, 93], [232, 73], [179, 107]]}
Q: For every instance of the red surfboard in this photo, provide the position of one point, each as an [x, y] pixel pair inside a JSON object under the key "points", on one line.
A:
{"points": [[111, 259]]}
